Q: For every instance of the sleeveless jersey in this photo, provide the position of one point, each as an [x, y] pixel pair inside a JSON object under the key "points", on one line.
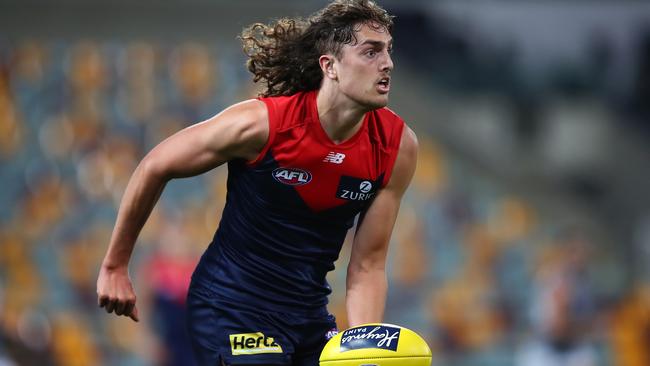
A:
{"points": [[288, 211]]}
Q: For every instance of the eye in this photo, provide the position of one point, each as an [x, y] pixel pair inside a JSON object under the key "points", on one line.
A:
{"points": [[371, 53]]}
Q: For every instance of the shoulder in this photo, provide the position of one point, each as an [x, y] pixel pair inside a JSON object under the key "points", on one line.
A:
{"points": [[386, 119], [242, 128], [258, 120], [387, 113], [251, 110], [285, 110], [405, 162], [409, 143], [285, 101], [249, 117], [386, 127]]}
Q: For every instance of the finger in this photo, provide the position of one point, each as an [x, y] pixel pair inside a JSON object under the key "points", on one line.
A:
{"points": [[110, 306], [102, 301], [119, 307], [134, 314], [128, 308]]}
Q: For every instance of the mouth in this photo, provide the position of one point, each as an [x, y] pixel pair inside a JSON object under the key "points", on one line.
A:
{"points": [[383, 85]]}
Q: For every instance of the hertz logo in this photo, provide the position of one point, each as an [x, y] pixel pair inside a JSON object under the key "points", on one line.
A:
{"points": [[253, 343]]}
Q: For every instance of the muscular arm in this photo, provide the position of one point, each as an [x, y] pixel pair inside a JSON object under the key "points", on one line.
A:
{"points": [[366, 276], [238, 132]]}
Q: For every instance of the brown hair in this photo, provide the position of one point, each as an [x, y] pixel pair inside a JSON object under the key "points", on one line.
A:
{"points": [[285, 53]]}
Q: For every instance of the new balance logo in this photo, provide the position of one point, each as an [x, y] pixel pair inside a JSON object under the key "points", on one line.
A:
{"points": [[336, 158]]}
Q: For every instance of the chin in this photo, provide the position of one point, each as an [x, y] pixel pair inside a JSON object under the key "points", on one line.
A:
{"points": [[372, 102], [376, 103], [379, 103]]}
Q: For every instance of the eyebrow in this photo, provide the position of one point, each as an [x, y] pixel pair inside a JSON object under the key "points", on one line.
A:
{"points": [[376, 43]]}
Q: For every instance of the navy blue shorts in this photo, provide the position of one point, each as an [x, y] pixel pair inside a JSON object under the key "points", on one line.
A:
{"points": [[243, 336]]}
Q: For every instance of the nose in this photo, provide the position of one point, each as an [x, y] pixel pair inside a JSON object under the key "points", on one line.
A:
{"points": [[387, 62]]}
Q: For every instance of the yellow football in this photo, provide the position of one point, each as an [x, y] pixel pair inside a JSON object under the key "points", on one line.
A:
{"points": [[376, 345]]}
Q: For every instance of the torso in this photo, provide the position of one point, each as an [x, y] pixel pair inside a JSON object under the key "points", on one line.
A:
{"points": [[287, 212]]}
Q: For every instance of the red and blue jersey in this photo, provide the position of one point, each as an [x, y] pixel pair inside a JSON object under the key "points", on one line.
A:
{"points": [[288, 211]]}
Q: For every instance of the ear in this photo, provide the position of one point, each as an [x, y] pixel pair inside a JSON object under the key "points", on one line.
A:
{"points": [[327, 65]]}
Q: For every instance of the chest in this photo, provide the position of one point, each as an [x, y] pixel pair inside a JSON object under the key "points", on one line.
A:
{"points": [[323, 176]]}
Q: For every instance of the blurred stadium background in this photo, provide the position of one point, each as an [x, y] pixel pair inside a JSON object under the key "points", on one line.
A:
{"points": [[524, 239]]}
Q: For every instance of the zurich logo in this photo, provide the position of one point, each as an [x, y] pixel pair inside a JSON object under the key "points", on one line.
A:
{"points": [[365, 186], [372, 336], [292, 176]]}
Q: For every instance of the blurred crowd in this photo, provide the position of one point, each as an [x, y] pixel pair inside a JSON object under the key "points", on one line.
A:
{"points": [[477, 269]]}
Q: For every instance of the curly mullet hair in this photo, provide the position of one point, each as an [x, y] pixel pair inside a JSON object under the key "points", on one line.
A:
{"points": [[284, 54]]}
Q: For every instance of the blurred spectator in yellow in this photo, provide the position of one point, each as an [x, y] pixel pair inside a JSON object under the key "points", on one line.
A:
{"points": [[631, 329], [73, 342], [193, 71], [563, 308], [467, 308], [24, 330], [11, 127], [139, 94]]}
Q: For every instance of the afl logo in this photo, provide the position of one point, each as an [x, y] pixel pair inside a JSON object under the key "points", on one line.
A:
{"points": [[292, 176], [365, 186]]}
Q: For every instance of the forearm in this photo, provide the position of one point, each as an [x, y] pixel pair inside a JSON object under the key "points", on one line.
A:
{"points": [[141, 195], [367, 285], [366, 296]]}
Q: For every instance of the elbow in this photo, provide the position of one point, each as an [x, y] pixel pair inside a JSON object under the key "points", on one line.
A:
{"points": [[366, 276], [372, 259], [365, 268], [153, 169]]}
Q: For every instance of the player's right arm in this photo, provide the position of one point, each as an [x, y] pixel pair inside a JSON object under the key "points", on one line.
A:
{"points": [[240, 131]]}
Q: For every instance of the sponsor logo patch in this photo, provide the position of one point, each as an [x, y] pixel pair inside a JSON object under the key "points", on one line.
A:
{"points": [[379, 336], [292, 176], [252, 344], [355, 189], [365, 186], [334, 157]]}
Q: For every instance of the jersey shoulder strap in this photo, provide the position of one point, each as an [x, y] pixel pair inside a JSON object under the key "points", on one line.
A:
{"points": [[285, 112], [385, 128]]}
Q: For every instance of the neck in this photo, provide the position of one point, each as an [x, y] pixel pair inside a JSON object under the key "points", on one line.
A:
{"points": [[340, 117]]}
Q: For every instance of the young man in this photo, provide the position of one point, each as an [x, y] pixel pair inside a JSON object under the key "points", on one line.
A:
{"points": [[314, 151]]}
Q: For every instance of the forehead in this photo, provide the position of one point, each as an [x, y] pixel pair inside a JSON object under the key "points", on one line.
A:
{"points": [[371, 32]]}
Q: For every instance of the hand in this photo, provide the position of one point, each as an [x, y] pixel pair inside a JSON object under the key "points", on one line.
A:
{"points": [[115, 292]]}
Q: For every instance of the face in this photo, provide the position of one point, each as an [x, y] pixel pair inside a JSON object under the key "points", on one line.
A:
{"points": [[363, 68]]}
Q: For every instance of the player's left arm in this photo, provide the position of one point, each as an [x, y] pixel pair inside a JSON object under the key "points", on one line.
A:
{"points": [[366, 281]]}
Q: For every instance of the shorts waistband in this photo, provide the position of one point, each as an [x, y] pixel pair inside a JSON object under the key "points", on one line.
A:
{"points": [[252, 304]]}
